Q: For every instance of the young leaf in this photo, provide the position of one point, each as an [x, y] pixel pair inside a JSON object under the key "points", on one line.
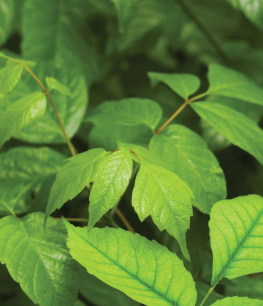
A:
{"points": [[237, 301], [236, 231], [128, 112], [162, 195], [53, 83], [142, 269], [188, 156], [38, 259], [111, 181], [230, 83], [79, 171], [236, 127], [9, 77], [183, 84], [19, 114]]}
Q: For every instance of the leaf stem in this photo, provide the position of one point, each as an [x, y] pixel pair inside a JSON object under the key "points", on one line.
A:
{"points": [[178, 111], [124, 220], [207, 295], [204, 30]]}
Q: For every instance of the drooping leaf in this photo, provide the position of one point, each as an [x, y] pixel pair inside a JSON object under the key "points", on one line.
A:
{"points": [[188, 156], [142, 269], [9, 77], [162, 195], [128, 112], [236, 231], [230, 83], [57, 85], [21, 113], [71, 179], [38, 259], [236, 127], [238, 301], [111, 181], [183, 84], [28, 170]]}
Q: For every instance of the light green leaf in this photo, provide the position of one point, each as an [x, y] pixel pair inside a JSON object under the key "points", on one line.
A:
{"points": [[53, 83], [142, 269], [71, 179], [236, 127], [238, 301], [7, 8], [9, 77], [29, 170], [128, 112], [162, 195], [111, 181], [38, 259], [183, 84], [188, 156], [21, 113], [230, 83], [236, 231], [8, 198]]}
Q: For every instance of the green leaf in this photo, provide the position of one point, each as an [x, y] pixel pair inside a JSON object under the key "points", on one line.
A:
{"points": [[7, 9], [238, 301], [9, 77], [142, 269], [21, 113], [53, 83], [8, 198], [162, 195], [188, 156], [71, 179], [128, 112], [183, 84], [236, 231], [28, 170], [236, 127], [38, 259], [111, 181], [230, 83]]}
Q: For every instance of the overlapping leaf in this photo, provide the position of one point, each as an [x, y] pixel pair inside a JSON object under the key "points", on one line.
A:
{"points": [[57, 85], [79, 171], [236, 231], [38, 259], [9, 77], [236, 127], [145, 271], [111, 181]]}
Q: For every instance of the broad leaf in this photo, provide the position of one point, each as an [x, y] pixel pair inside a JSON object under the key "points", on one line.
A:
{"points": [[238, 301], [144, 270], [188, 156], [38, 259], [162, 195], [230, 83], [30, 171], [236, 231], [55, 84], [128, 112], [236, 127], [111, 181], [9, 77], [183, 84], [71, 179], [21, 113]]}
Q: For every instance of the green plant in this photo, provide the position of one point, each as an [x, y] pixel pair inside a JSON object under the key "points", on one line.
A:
{"points": [[126, 158]]}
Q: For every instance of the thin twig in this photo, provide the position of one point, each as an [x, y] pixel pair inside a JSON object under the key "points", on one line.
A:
{"points": [[124, 220]]}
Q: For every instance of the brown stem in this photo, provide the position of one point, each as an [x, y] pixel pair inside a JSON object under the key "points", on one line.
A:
{"points": [[124, 220]]}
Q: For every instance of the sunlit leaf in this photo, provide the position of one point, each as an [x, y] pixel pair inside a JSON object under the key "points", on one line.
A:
{"points": [[238, 301]]}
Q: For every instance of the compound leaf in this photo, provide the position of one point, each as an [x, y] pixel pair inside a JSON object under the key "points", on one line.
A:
{"points": [[188, 156], [183, 84], [236, 231], [21, 113], [236, 127], [9, 77], [237, 301], [111, 181], [142, 269], [230, 83], [71, 179], [162, 195], [38, 259]]}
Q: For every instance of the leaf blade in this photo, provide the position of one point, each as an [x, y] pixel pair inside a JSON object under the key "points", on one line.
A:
{"points": [[9, 77], [237, 301]]}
